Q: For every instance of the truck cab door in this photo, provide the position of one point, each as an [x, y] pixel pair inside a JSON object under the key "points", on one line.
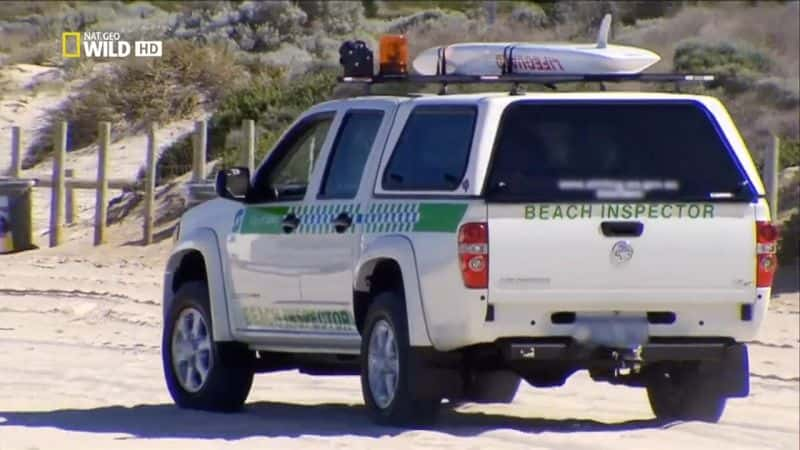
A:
{"points": [[333, 226], [262, 249]]}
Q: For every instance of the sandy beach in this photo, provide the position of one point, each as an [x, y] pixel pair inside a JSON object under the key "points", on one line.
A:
{"points": [[80, 369]]}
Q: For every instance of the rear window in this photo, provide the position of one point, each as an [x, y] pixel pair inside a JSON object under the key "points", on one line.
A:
{"points": [[433, 149], [571, 151]]}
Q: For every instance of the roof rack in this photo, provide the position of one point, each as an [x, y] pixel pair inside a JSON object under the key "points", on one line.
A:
{"points": [[533, 78], [505, 63], [517, 80]]}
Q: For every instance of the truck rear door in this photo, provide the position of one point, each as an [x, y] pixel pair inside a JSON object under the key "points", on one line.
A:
{"points": [[593, 204]]}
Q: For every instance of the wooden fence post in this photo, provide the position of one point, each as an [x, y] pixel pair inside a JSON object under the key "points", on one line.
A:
{"points": [[150, 185], [101, 200], [249, 146], [71, 205], [57, 189], [771, 171], [16, 152], [199, 160]]}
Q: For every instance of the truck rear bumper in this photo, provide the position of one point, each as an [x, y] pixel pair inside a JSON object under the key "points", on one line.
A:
{"points": [[657, 349], [724, 360], [547, 362]]}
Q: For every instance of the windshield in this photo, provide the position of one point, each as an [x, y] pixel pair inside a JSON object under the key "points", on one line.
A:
{"points": [[612, 150]]}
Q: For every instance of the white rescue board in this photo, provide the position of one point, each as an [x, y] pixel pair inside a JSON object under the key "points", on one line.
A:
{"points": [[482, 58]]}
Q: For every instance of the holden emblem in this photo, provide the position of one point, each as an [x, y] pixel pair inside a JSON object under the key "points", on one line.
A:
{"points": [[621, 252]]}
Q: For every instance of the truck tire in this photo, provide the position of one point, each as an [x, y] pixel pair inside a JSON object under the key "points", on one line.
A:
{"points": [[498, 386], [685, 392], [389, 372], [201, 373]]}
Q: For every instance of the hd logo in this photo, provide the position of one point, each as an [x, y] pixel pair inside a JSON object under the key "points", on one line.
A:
{"points": [[102, 44]]}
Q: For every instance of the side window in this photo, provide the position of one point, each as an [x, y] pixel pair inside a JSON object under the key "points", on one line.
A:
{"points": [[288, 172], [349, 153], [433, 149]]}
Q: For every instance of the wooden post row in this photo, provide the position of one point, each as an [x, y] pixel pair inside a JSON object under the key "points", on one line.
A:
{"points": [[57, 192], [771, 172], [150, 185], [199, 159], [16, 152], [70, 201], [249, 147], [101, 200]]}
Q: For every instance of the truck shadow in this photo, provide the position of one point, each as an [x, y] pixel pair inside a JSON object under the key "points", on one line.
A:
{"points": [[787, 279], [269, 419]]}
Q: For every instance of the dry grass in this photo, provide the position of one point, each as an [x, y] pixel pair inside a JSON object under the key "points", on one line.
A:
{"points": [[16, 9], [138, 91], [771, 26], [5, 85], [41, 53]]}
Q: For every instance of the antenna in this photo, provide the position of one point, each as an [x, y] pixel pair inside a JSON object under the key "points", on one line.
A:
{"points": [[602, 35]]}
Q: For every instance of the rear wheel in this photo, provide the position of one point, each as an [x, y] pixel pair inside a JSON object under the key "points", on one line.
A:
{"points": [[684, 392], [389, 373], [201, 373]]}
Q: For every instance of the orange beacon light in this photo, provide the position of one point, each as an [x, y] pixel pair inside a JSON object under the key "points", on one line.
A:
{"points": [[393, 55]]}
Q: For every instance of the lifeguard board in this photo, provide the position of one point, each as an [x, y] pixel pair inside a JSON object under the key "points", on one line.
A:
{"points": [[536, 58]]}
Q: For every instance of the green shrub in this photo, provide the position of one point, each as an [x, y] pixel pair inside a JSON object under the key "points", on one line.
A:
{"points": [[778, 92], [584, 16], [370, 8], [736, 65], [337, 17], [397, 8], [274, 105], [252, 26], [529, 15], [789, 153], [631, 11], [174, 161], [273, 102]]}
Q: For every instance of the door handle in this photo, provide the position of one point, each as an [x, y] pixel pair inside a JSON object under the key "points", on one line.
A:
{"points": [[290, 223], [342, 222], [622, 228]]}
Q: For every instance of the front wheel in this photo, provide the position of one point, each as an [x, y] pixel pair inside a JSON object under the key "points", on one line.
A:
{"points": [[389, 373], [201, 373]]}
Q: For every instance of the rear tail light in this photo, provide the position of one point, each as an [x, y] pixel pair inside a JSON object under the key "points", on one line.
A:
{"points": [[766, 261], [473, 254]]}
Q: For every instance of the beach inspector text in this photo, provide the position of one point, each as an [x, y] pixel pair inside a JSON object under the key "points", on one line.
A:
{"points": [[619, 211]]}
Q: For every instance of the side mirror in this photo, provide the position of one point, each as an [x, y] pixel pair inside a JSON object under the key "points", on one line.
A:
{"points": [[233, 183]]}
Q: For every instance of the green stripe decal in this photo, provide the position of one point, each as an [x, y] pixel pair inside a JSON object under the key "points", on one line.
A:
{"points": [[440, 217], [377, 218], [262, 220]]}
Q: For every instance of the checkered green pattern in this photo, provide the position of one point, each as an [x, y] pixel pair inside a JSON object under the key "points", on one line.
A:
{"points": [[386, 217], [390, 218], [317, 219]]}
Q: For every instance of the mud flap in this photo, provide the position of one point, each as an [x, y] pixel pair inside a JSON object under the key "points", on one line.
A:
{"points": [[734, 375], [434, 375]]}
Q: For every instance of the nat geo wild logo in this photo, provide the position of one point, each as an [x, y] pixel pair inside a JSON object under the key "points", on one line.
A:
{"points": [[105, 44]]}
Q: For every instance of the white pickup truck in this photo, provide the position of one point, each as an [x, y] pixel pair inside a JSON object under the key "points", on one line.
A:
{"points": [[447, 247]]}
